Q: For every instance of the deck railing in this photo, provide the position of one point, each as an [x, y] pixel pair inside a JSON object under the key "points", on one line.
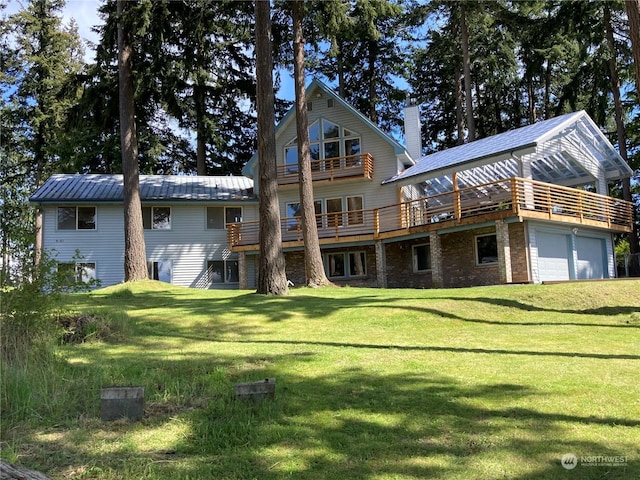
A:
{"points": [[514, 197], [330, 169]]}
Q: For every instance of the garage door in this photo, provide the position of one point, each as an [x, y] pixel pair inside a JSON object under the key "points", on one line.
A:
{"points": [[590, 257], [553, 256]]}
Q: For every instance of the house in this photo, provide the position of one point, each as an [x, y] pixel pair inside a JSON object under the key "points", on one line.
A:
{"points": [[528, 205], [184, 217]]}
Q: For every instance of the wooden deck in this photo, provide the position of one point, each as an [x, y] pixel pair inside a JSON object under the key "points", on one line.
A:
{"points": [[514, 197], [330, 169]]}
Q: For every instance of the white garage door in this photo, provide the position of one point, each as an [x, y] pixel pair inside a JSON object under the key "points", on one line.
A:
{"points": [[553, 256], [590, 257]]}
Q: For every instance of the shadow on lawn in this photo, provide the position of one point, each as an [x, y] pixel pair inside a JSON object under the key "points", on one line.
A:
{"points": [[359, 425], [278, 309], [354, 425]]}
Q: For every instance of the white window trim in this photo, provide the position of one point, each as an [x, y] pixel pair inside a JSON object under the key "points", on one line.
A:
{"points": [[224, 261], [346, 255], [76, 207], [225, 216], [293, 143], [151, 219], [150, 263]]}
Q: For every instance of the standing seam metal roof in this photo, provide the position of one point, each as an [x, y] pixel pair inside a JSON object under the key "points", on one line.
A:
{"points": [[509, 142], [109, 188]]}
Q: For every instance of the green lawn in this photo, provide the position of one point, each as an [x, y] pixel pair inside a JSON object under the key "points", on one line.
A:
{"points": [[478, 383]]}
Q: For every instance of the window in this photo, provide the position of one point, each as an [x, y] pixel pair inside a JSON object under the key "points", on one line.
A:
{"points": [[336, 265], [291, 160], [334, 212], [156, 218], [222, 271], [355, 214], [81, 272], [327, 140], [220, 217], [76, 218], [160, 270], [486, 249], [346, 265], [356, 264], [421, 258], [293, 214]]}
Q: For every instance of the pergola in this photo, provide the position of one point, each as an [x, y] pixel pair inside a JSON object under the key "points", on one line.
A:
{"points": [[569, 150]]}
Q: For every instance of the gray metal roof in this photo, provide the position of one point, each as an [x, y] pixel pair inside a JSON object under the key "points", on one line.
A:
{"points": [[569, 149], [109, 188]]}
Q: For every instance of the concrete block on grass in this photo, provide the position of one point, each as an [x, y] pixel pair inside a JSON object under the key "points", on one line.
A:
{"points": [[121, 402], [260, 390]]}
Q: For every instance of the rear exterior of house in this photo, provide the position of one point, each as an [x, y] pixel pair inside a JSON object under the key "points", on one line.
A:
{"points": [[184, 222], [529, 205]]}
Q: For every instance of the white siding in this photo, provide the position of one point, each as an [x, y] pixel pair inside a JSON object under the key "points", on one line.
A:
{"points": [[385, 161], [187, 245], [104, 246]]}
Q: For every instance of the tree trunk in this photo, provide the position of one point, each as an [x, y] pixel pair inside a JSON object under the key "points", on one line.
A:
{"points": [[633, 14], [11, 472], [617, 103], [201, 141], [466, 62], [272, 277], [459, 115], [371, 70], [135, 262], [314, 269]]}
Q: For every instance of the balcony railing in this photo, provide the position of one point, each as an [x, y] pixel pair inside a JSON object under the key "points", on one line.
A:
{"points": [[330, 169], [514, 197]]}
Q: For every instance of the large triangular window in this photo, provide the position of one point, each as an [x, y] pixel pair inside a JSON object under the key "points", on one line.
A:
{"points": [[327, 140]]}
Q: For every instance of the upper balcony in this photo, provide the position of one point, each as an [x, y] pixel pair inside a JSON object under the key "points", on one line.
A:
{"points": [[329, 169], [514, 197]]}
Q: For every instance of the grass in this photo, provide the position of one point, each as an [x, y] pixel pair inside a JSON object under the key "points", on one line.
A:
{"points": [[478, 383]]}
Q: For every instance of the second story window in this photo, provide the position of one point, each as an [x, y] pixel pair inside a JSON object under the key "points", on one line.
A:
{"points": [[76, 218], [156, 218], [221, 217]]}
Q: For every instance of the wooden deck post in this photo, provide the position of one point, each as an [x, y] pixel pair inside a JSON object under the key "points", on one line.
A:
{"points": [[457, 209]]}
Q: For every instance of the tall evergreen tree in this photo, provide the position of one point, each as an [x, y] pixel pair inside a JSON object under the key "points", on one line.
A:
{"points": [[135, 262], [633, 14], [272, 277], [358, 45], [42, 59], [314, 269]]}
